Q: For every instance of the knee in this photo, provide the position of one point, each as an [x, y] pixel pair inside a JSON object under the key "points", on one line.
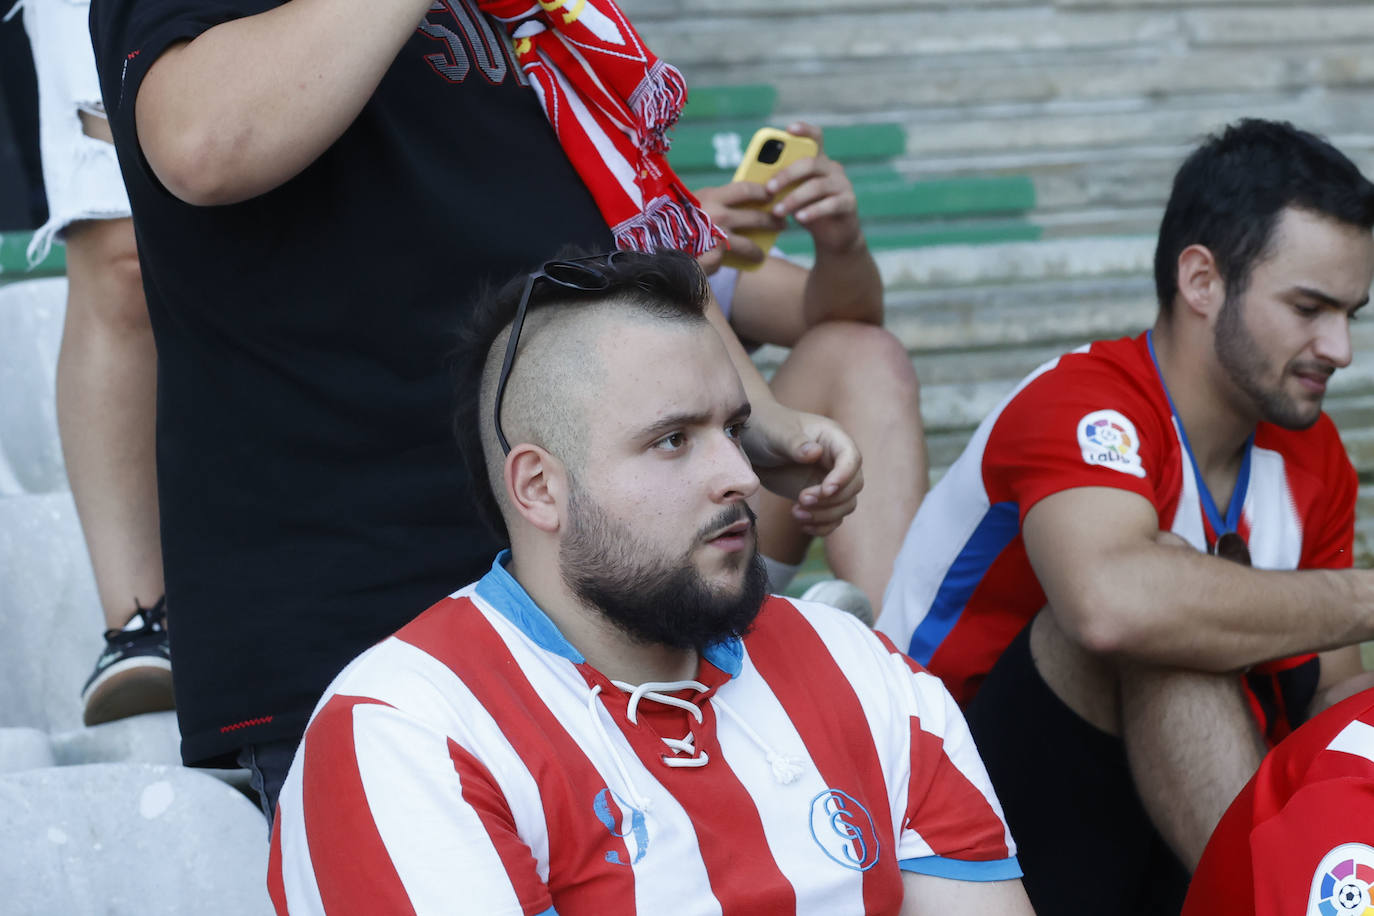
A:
{"points": [[871, 357], [104, 277]]}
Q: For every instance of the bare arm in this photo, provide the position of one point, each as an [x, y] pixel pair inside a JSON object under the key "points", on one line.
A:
{"points": [[924, 895], [778, 301], [797, 455], [1115, 589], [248, 104]]}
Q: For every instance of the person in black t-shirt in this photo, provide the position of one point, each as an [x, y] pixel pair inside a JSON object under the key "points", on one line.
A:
{"points": [[318, 188]]}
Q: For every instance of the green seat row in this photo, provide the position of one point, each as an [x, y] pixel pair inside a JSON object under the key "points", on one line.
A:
{"points": [[14, 260]]}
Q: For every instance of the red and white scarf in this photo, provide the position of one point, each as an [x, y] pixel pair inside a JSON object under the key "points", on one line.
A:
{"points": [[610, 101]]}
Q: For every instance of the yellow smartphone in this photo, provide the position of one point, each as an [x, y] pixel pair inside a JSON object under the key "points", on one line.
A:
{"points": [[770, 150]]}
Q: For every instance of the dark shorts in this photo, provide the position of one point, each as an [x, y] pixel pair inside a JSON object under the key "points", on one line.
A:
{"points": [[1084, 841], [267, 763]]}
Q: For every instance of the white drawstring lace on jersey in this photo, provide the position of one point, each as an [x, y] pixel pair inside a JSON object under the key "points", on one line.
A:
{"points": [[785, 769]]}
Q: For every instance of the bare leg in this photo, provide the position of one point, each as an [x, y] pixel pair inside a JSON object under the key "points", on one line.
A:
{"points": [[106, 384], [1190, 740], [1192, 746], [860, 376]]}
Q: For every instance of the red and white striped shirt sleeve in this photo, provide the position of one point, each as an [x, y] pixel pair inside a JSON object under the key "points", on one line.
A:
{"points": [[383, 814]]}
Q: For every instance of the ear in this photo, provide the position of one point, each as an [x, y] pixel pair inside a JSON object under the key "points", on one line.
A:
{"points": [[1200, 287], [535, 482]]}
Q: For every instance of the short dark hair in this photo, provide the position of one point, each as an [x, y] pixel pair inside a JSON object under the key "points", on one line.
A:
{"points": [[1229, 193], [668, 285]]}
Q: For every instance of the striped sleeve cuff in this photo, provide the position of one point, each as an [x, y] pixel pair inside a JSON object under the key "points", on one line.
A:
{"points": [[963, 870]]}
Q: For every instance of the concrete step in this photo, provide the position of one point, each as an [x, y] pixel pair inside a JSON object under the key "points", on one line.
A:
{"points": [[955, 266], [130, 838], [1148, 72]]}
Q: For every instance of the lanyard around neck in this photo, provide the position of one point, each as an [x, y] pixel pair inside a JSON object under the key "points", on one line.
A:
{"points": [[1209, 507]]}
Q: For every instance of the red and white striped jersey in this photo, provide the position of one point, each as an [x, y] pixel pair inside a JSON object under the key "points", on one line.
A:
{"points": [[1300, 837], [962, 587], [474, 762]]}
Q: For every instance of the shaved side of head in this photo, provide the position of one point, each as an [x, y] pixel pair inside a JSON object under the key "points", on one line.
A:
{"points": [[559, 370]]}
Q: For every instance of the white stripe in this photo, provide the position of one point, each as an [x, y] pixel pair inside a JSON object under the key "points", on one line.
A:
{"points": [[948, 516], [875, 672], [436, 841], [1275, 530], [623, 171], [298, 872], [1187, 522], [820, 885], [412, 680], [1356, 738]]}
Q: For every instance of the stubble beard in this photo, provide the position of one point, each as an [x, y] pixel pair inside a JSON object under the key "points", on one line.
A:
{"points": [[1240, 356]]}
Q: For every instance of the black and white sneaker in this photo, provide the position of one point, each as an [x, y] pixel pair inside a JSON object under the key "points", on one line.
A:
{"points": [[134, 673]]}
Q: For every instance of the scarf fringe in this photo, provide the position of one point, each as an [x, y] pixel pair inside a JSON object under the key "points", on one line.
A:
{"points": [[657, 102], [668, 222]]}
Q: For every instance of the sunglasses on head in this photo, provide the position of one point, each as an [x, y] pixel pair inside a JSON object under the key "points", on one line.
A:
{"points": [[585, 275], [1231, 546]]}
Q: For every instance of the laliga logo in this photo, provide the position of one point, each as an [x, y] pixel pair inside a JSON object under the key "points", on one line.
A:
{"points": [[844, 830], [1108, 439], [1342, 883]]}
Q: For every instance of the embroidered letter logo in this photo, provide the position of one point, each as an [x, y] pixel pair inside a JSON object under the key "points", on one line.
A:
{"points": [[636, 836], [1109, 439], [1342, 883], [844, 830]]}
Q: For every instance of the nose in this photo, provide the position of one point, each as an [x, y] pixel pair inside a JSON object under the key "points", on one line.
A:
{"points": [[1333, 340], [732, 476]]}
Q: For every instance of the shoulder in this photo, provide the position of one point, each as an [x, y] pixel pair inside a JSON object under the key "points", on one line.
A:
{"points": [[1317, 449]]}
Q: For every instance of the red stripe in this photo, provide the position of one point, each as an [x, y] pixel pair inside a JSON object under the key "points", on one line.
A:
{"points": [[826, 712], [276, 889], [948, 811], [581, 879], [743, 885], [482, 793], [352, 867]]}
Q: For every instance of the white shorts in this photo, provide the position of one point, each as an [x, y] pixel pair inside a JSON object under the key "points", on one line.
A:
{"points": [[80, 173]]}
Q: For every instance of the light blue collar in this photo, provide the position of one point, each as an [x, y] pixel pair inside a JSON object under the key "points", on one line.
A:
{"points": [[499, 589]]}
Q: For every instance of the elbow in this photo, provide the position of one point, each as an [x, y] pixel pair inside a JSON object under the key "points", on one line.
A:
{"points": [[197, 166], [1099, 623]]}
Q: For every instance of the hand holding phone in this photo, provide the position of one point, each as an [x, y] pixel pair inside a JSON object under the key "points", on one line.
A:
{"points": [[769, 152]]}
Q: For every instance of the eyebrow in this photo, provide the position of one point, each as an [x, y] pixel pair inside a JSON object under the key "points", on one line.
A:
{"points": [[1329, 300], [688, 418]]}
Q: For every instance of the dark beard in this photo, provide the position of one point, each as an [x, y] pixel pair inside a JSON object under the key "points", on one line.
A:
{"points": [[1240, 356], [655, 601]]}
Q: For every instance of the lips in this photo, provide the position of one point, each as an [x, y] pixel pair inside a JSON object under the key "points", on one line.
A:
{"points": [[738, 530], [1314, 380]]}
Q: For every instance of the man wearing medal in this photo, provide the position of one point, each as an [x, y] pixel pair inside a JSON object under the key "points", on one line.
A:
{"points": [[1079, 578]]}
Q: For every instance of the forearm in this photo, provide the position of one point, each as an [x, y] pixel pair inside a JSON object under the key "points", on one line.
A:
{"points": [[248, 104], [755, 385], [1175, 607], [844, 286]]}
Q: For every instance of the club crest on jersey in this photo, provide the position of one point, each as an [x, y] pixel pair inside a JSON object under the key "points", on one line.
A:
{"points": [[844, 830], [1109, 439], [1342, 883], [625, 822]]}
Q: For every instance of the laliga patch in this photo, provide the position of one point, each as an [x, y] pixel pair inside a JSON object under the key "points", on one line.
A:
{"points": [[1341, 885], [1109, 439]]}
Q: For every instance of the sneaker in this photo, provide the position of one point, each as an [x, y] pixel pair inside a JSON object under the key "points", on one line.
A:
{"points": [[134, 673], [844, 595]]}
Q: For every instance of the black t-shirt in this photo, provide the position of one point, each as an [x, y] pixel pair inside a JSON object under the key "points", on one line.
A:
{"points": [[311, 497]]}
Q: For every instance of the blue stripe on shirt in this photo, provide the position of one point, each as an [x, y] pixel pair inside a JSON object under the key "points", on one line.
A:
{"points": [[963, 870], [999, 527]]}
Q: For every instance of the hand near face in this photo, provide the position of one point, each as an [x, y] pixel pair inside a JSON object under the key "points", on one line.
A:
{"points": [[807, 458]]}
